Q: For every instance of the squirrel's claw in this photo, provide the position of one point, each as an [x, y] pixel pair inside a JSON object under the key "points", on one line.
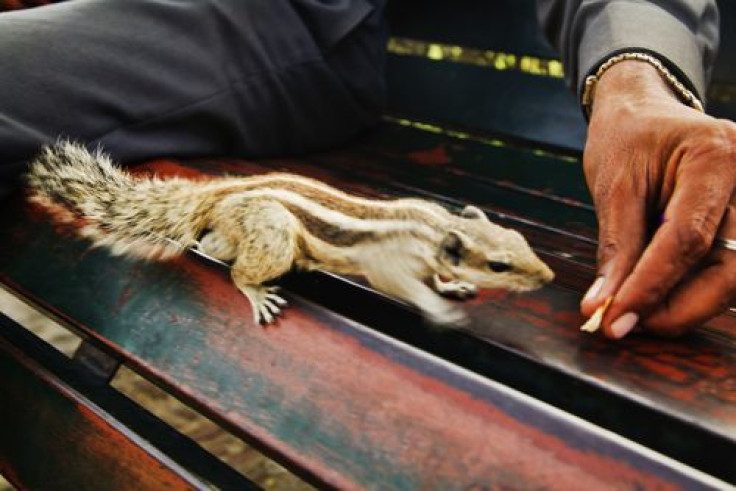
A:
{"points": [[265, 304]]}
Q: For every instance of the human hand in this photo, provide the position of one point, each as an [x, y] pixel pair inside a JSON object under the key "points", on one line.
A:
{"points": [[649, 156]]}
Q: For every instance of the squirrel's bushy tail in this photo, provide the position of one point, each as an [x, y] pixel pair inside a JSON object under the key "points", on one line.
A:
{"points": [[68, 174], [127, 214]]}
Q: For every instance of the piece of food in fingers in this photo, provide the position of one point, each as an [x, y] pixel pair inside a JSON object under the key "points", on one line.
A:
{"points": [[594, 323]]}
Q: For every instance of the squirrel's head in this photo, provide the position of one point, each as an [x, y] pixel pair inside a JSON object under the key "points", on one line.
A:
{"points": [[477, 250]]}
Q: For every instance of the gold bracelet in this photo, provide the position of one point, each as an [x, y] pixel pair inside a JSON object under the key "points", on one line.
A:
{"points": [[683, 92]]}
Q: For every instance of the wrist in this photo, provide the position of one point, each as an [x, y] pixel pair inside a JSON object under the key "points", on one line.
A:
{"points": [[632, 81], [636, 75]]}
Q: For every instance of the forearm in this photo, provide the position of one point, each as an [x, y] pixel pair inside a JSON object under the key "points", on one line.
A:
{"points": [[683, 34]]}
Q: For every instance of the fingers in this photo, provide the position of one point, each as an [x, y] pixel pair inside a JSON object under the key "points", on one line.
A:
{"points": [[701, 295], [697, 299], [622, 233], [691, 221]]}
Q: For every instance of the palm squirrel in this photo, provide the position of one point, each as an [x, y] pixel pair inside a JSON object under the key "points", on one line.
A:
{"points": [[265, 225]]}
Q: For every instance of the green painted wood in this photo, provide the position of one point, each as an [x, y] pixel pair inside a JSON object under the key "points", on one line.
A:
{"points": [[499, 102]]}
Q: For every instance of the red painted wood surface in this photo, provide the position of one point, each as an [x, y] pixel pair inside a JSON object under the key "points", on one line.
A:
{"points": [[52, 437]]}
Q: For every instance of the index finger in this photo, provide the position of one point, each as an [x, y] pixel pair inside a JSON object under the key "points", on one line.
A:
{"points": [[691, 220]]}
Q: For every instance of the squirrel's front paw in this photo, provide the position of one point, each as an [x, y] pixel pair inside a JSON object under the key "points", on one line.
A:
{"points": [[460, 290], [264, 301]]}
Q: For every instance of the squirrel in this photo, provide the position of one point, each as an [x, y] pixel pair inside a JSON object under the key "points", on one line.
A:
{"points": [[266, 225]]}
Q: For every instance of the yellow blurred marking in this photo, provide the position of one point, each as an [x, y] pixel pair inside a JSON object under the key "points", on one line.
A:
{"points": [[471, 56], [434, 52], [460, 135]]}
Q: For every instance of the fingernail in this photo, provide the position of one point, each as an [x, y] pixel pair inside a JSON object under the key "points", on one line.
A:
{"points": [[594, 289], [624, 324]]}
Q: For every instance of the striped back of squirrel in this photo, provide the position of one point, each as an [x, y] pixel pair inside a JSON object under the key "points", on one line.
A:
{"points": [[140, 216], [156, 218]]}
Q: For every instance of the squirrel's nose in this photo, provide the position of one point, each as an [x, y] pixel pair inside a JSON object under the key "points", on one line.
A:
{"points": [[546, 274]]}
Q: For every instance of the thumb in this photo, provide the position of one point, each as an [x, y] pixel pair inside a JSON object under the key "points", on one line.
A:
{"points": [[622, 232]]}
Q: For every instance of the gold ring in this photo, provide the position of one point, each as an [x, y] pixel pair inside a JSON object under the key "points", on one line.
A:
{"points": [[729, 244]]}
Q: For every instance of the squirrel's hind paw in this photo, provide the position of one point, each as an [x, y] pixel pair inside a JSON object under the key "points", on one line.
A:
{"points": [[264, 302]]}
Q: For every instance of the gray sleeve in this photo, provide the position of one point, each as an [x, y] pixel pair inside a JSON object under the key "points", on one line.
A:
{"points": [[683, 34]]}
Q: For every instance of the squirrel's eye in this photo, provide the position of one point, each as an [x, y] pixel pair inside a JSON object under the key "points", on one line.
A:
{"points": [[499, 267]]}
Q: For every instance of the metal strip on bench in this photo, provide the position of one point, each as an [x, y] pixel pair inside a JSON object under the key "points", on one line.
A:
{"points": [[342, 404]]}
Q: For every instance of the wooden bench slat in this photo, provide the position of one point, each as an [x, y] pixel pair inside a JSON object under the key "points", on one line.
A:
{"points": [[534, 167], [344, 405], [65, 428], [54, 437]]}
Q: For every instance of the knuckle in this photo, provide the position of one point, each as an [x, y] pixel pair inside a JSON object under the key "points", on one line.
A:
{"points": [[729, 128], [694, 238], [608, 247], [649, 296], [720, 141], [726, 140]]}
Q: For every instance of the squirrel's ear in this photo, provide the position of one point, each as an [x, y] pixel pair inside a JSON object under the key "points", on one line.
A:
{"points": [[453, 247], [471, 211]]}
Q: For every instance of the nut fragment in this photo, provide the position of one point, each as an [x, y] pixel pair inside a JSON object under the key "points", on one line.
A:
{"points": [[594, 323]]}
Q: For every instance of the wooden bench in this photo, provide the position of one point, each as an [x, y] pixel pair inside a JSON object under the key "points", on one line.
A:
{"points": [[350, 389]]}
